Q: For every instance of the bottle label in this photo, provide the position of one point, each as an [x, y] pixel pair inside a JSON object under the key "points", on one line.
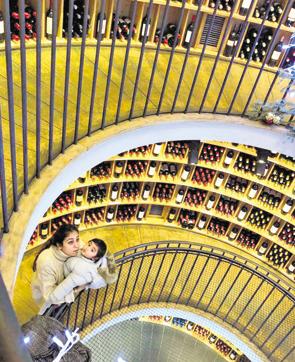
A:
{"points": [[145, 194], [140, 214], [184, 175], [252, 193], [218, 182], [179, 198], [49, 25], [152, 171], [291, 16], [286, 208], [110, 215], [241, 215], [201, 224], [79, 198], [114, 195], [143, 30], [227, 160], [275, 55], [232, 235], [210, 204], [44, 232], [273, 229], [157, 149], [188, 36], [103, 29], [2, 27], [246, 4], [230, 43]]}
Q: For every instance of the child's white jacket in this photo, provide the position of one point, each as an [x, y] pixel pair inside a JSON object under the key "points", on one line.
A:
{"points": [[78, 271]]}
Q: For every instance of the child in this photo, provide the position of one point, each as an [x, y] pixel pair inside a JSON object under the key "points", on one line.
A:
{"points": [[94, 268]]}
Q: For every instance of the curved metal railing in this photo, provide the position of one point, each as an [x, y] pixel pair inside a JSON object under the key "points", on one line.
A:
{"points": [[244, 295], [31, 140]]}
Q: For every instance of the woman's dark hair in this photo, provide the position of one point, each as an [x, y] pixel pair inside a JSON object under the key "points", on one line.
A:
{"points": [[61, 233], [102, 247]]}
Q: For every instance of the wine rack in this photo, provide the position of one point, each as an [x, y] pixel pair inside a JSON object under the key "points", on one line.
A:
{"points": [[213, 198], [212, 340], [220, 25]]}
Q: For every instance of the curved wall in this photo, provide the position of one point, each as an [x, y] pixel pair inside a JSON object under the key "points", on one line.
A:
{"points": [[115, 139]]}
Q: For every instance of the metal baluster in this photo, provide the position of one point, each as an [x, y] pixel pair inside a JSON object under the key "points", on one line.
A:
{"points": [[156, 57], [136, 279], [23, 63], [277, 327], [103, 302], [126, 61], [94, 305], [3, 181], [67, 75], [52, 81], [167, 275], [201, 57], [219, 285], [288, 354], [248, 303], [95, 69], [208, 282], [126, 281], [229, 290], [156, 278], [149, 12], [85, 309], [197, 281], [250, 56], [77, 310], [68, 316], [187, 278], [171, 56], [268, 316], [224, 37], [116, 287], [146, 277], [177, 276], [106, 98], [38, 88], [9, 73], [245, 23], [238, 297], [81, 70], [258, 309], [195, 27], [280, 343]]}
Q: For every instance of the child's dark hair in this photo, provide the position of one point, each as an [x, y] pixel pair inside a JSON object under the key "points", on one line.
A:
{"points": [[102, 248], [61, 233]]}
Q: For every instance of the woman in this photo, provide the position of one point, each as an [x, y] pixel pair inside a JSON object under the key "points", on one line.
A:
{"points": [[49, 266]]}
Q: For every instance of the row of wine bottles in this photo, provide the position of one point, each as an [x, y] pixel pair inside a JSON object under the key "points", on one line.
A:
{"points": [[244, 163], [202, 332]]}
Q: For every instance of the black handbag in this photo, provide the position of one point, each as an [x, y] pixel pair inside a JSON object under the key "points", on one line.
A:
{"points": [[39, 332]]}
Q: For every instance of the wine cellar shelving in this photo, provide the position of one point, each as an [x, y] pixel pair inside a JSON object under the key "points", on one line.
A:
{"points": [[156, 184], [221, 346], [228, 17]]}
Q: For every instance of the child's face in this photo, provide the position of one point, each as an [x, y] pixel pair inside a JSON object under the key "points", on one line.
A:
{"points": [[90, 250]]}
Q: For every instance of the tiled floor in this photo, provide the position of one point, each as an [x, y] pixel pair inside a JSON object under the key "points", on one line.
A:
{"points": [[136, 341]]}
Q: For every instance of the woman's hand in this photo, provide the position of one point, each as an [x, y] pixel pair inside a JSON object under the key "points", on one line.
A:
{"points": [[77, 290]]}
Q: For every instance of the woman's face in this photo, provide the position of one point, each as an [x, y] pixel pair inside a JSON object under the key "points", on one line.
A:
{"points": [[71, 244]]}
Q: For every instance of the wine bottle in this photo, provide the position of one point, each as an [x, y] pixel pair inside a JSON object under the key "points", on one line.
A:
{"points": [[77, 219], [275, 56], [219, 180], [233, 233], [145, 24], [202, 222], [110, 214], [171, 215], [230, 44], [228, 158], [185, 173], [188, 35], [140, 213], [152, 169], [114, 192], [245, 5], [49, 21], [44, 231], [2, 34], [146, 192], [274, 228], [79, 197], [210, 202], [291, 16], [103, 27], [287, 206], [157, 149], [242, 213], [179, 197], [253, 191], [291, 267], [118, 168]]}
